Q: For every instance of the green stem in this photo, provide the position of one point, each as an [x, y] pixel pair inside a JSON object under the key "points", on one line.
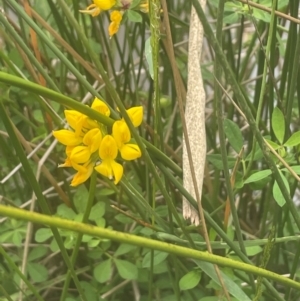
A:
{"points": [[57, 222]]}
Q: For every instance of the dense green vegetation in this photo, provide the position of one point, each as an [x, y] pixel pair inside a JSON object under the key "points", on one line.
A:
{"points": [[103, 240]]}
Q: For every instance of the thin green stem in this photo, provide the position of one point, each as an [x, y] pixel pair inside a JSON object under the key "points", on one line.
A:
{"points": [[142, 242]]}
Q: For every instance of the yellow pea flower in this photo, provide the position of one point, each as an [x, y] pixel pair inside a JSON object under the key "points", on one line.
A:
{"points": [[136, 115], [72, 118], [101, 107], [92, 139], [105, 4], [80, 154], [121, 133], [82, 175], [98, 5], [115, 18], [67, 137], [144, 6], [109, 167]]}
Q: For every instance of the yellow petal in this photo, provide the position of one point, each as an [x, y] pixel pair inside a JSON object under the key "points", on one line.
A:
{"points": [[130, 152], [105, 4], [136, 115], [80, 154], [108, 148], [117, 171], [121, 132], [116, 18], [113, 28], [67, 163], [101, 107], [72, 117], [110, 169], [82, 176], [144, 6], [93, 139], [67, 137], [92, 10]]}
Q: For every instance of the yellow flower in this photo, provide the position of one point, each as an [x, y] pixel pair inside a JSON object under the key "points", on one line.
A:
{"points": [[136, 115], [109, 167], [101, 107], [144, 6], [77, 121], [82, 175], [80, 154], [115, 18], [92, 139], [121, 133], [105, 4], [98, 5], [67, 137]]}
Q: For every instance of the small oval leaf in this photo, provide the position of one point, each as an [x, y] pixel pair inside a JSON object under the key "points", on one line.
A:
{"points": [[126, 269], [158, 257], [190, 280], [234, 135], [102, 271], [258, 176], [293, 140], [278, 124], [277, 194]]}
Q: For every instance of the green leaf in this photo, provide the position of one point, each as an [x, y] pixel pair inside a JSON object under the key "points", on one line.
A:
{"points": [[37, 252], [134, 16], [97, 211], [123, 219], [293, 140], [216, 161], [134, 3], [190, 280], [94, 243], [158, 257], [126, 269], [234, 289], [148, 55], [261, 15], [278, 124], [65, 212], [277, 194], [17, 238], [273, 144], [257, 155], [231, 18], [90, 291], [38, 116], [253, 250], [43, 234], [234, 135], [102, 271], [296, 169], [258, 176], [80, 198], [37, 272], [124, 249]]}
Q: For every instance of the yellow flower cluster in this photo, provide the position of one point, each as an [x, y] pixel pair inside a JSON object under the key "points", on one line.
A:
{"points": [[116, 15], [89, 146]]}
